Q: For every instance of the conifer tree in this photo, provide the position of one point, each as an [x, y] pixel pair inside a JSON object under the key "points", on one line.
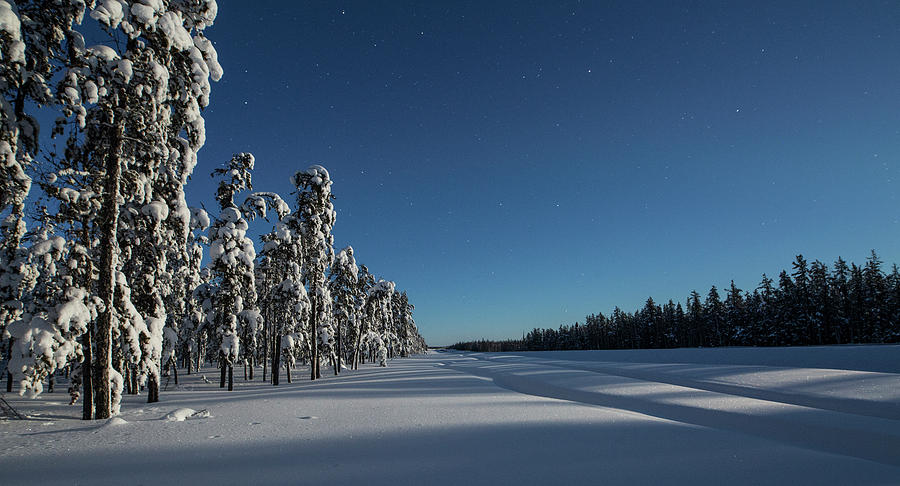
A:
{"points": [[231, 261], [344, 276], [316, 218]]}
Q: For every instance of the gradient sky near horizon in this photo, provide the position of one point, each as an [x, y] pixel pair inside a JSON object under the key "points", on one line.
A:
{"points": [[514, 165]]}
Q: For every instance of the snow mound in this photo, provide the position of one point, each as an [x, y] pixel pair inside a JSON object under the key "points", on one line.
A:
{"points": [[115, 421], [185, 413]]}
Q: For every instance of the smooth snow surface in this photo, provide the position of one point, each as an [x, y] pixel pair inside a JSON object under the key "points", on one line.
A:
{"points": [[517, 418]]}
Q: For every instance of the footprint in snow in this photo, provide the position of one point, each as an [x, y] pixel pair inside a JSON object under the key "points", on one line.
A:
{"points": [[308, 417]]}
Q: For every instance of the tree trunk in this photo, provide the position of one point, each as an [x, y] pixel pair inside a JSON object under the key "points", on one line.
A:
{"points": [[337, 368], [314, 354], [276, 357], [200, 352], [153, 388], [135, 387], [87, 406], [287, 371], [223, 371], [356, 349], [265, 355], [230, 377], [108, 225], [9, 377]]}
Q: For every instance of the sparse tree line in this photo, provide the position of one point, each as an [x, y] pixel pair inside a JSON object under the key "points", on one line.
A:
{"points": [[812, 305], [108, 284]]}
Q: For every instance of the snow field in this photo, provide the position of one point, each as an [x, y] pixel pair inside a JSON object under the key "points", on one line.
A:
{"points": [[448, 417]]}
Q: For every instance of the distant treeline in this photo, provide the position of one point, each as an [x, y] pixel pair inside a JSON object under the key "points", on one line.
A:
{"points": [[812, 305]]}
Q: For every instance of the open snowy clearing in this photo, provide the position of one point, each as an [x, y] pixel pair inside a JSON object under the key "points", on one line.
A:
{"points": [[743, 416]]}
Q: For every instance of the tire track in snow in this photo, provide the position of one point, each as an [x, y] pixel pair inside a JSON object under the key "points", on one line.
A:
{"points": [[874, 439]]}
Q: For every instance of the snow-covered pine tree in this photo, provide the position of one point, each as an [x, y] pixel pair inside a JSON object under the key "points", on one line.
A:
{"points": [[202, 300], [14, 182], [270, 271], [190, 274], [55, 314], [127, 104], [343, 281], [406, 327], [283, 299], [364, 310], [378, 337], [258, 205], [231, 260], [289, 309], [316, 218], [31, 37]]}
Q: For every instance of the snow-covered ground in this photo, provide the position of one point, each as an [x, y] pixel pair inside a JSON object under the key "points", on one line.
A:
{"points": [[812, 416]]}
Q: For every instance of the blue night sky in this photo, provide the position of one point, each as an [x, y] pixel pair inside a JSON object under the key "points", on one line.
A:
{"points": [[514, 165]]}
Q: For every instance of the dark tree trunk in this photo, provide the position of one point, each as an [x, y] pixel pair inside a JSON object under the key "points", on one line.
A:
{"points": [[87, 406], [337, 368], [357, 349], [175, 372], [201, 353], [135, 387], [314, 354], [230, 377], [287, 371], [153, 389], [108, 225], [50, 383], [9, 377], [222, 366], [265, 356], [276, 357]]}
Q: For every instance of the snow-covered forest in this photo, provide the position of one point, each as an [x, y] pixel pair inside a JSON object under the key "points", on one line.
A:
{"points": [[812, 305], [107, 276]]}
